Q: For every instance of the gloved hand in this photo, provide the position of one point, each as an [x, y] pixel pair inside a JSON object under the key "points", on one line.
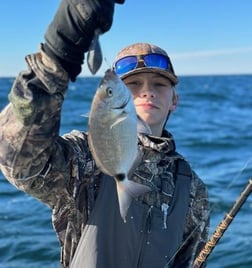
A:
{"points": [[70, 33]]}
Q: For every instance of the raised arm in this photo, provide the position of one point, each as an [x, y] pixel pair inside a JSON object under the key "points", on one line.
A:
{"points": [[29, 133]]}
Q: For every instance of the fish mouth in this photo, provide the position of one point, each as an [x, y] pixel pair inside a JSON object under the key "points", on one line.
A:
{"points": [[124, 104]]}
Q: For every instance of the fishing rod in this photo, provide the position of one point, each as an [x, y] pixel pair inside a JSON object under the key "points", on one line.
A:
{"points": [[222, 227]]}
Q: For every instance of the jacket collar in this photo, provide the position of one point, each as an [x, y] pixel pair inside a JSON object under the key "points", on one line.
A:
{"points": [[165, 143]]}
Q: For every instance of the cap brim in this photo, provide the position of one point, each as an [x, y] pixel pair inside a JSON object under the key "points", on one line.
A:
{"points": [[161, 72]]}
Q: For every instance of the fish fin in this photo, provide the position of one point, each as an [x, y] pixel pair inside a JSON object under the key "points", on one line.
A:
{"points": [[142, 126], [126, 191], [94, 57], [135, 189], [119, 119]]}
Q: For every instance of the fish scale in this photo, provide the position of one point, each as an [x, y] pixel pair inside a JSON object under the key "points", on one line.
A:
{"points": [[112, 136]]}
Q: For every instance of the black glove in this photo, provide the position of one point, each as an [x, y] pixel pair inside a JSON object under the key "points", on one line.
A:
{"points": [[70, 33]]}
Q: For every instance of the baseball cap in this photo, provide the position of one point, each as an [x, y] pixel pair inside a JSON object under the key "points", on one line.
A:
{"points": [[144, 57]]}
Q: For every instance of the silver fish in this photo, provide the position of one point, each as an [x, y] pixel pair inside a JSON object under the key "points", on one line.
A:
{"points": [[112, 136], [94, 56]]}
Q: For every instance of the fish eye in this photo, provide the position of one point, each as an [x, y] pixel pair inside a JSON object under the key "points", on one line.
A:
{"points": [[109, 92]]}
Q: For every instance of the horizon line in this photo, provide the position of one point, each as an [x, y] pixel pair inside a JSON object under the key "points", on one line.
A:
{"points": [[179, 75]]}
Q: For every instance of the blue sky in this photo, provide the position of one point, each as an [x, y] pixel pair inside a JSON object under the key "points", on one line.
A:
{"points": [[201, 36]]}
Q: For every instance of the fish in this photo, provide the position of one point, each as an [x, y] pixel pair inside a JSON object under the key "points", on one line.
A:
{"points": [[112, 137], [94, 56]]}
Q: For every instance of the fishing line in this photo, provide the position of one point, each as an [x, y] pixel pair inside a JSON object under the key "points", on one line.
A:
{"points": [[223, 226], [236, 177], [240, 172], [210, 211], [107, 62], [229, 186]]}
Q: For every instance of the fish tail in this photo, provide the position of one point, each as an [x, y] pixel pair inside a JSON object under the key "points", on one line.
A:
{"points": [[126, 191]]}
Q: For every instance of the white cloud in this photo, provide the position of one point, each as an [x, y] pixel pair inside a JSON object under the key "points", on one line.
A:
{"points": [[210, 53]]}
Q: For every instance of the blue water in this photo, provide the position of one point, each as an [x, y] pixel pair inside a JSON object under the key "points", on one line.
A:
{"points": [[213, 130]]}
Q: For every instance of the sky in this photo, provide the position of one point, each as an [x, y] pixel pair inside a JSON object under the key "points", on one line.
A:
{"points": [[200, 36]]}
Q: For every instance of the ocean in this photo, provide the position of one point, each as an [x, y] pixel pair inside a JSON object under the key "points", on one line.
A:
{"points": [[212, 126]]}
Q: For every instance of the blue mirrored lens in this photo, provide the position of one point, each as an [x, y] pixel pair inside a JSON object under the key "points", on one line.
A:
{"points": [[129, 63], [157, 61], [126, 64]]}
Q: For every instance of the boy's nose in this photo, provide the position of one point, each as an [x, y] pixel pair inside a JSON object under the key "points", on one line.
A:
{"points": [[147, 94]]}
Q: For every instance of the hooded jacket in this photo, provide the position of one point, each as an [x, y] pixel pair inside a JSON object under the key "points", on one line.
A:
{"points": [[60, 172]]}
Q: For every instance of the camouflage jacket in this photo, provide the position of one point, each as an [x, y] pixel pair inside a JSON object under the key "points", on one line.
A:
{"points": [[60, 171]]}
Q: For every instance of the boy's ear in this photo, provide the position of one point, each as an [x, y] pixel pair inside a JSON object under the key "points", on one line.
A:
{"points": [[174, 102]]}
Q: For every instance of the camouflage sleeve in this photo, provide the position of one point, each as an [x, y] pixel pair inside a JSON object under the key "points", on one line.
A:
{"points": [[30, 147], [197, 227]]}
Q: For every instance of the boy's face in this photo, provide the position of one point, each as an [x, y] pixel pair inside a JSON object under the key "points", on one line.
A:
{"points": [[153, 97]]}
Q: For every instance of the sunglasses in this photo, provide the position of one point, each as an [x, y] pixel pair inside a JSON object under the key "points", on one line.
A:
{"points": [[154, 60]]}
